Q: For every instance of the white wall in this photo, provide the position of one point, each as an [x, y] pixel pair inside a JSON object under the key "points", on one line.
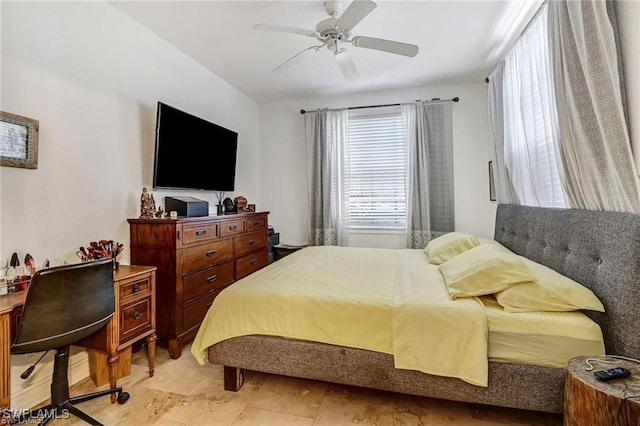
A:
{"points": [[92, 77], [283, 172]]}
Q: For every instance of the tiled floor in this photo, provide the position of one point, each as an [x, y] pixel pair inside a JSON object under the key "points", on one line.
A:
{"points": [[185, 393]]}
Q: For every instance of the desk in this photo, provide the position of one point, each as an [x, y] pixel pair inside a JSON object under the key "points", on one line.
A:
{"points": [[134, 319], [7, 305]]}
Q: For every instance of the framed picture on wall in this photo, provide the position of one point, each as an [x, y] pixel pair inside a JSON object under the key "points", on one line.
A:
{"points": [[492, 187], [18, 141]]}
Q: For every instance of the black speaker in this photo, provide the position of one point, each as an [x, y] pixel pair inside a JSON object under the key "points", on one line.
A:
{"points": [[186, 206]]}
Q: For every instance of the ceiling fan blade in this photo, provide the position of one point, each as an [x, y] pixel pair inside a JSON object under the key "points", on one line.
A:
{"points": [[386, 45], [356, 12], [348, 68], [282, 29], [292, 60]]}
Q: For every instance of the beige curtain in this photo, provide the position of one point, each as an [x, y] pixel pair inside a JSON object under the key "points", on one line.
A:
{"points": [[327, 176], [430, 197], [599, 172], [505, 193]]}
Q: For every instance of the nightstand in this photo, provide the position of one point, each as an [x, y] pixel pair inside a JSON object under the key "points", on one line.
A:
{"points": [[272, 241], [283, 250], [593, 402]]}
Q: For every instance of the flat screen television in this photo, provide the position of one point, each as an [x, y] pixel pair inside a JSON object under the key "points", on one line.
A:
{"points": [[193, 153]]}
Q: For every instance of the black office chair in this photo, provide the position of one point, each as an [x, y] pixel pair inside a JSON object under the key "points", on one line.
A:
{"points": [[64, 305]]}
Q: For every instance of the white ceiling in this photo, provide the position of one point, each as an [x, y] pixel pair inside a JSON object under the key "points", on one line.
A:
{"points": [[460, 41]]}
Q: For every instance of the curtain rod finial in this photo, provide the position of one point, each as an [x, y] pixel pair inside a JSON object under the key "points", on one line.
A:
{"points": [[456, 99], [302, 111]]}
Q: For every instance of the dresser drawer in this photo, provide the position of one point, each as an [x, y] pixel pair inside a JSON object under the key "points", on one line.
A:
{"points": [[232, 227], [135, 319], [134, 287], [203, 282], [256, 223], [247, 243], [197, 232], [197, 257], [194, 313], [249, 264]]}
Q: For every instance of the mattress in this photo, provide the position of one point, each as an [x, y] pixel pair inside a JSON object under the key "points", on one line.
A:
{"points": [[306, 291], [548, 339]]}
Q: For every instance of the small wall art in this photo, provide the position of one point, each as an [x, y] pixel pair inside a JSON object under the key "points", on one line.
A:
{"points": [[492, 185], [18, 141]]}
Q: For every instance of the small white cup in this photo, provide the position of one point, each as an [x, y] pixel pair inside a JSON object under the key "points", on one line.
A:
{"points": [[173, 214]]}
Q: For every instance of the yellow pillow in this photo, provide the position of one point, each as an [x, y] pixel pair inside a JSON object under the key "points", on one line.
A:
{"points": [[485, 269], [448, 246], [550, 292]]}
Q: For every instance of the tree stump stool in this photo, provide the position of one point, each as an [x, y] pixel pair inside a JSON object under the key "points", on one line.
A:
{"points": [[592, 402]]}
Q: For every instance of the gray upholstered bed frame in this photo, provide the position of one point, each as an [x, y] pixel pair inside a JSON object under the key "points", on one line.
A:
{"points": [[600, 250]]}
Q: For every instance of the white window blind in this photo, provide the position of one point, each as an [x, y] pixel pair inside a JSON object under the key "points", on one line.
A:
{"points": [[377, 144]]}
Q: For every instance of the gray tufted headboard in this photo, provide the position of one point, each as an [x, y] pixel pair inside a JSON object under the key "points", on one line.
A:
{"points": [[600, 250]]}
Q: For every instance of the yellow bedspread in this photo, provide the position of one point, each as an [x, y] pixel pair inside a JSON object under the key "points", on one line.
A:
{"points": [[432, 333], [345, 296], [313, 294]]}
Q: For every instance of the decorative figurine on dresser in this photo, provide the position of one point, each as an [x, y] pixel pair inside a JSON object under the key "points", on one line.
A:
{"points": [[148, 206], [146, 209], [196, 257]]}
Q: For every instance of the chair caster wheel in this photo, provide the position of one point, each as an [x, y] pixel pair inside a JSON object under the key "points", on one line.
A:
{"points": [[123, 397]]}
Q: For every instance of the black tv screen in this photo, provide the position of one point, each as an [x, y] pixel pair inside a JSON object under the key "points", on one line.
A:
{"points": [[192, 153]]}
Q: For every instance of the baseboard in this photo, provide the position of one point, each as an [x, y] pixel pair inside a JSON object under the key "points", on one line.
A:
{"points": [[39, 388]]}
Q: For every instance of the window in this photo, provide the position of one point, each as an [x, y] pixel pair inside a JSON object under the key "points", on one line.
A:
{"points": [[377, 152], [530, 118]]}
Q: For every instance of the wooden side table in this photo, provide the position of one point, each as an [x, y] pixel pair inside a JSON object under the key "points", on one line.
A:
{"points": [[592, 402]]}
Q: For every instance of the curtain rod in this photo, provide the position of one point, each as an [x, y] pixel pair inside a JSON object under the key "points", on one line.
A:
{"points": [[456, 99]]}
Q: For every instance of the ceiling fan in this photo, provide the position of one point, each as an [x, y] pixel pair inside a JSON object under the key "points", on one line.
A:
{"points": [[335, 31]]}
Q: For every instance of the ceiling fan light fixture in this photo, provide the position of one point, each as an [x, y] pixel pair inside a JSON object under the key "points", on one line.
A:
{"points": [[332, 45], [333, 31]]}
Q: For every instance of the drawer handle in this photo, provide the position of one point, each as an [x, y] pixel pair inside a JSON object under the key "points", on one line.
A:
{"points": [[136, 315], [252, 242], [233, 228], [256, 223], [212, 278], [136, 287], [253, 262], [211, 253], [201, 232]]}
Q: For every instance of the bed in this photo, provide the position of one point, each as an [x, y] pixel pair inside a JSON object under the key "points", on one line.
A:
{"points": [[600, 250]]}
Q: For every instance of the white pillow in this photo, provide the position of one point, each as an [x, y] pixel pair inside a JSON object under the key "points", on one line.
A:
{"points": [[448, 246], [485, 269], [550, 291]]}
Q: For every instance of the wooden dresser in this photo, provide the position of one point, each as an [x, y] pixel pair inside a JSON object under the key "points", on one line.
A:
{"points": [[196, 258]]}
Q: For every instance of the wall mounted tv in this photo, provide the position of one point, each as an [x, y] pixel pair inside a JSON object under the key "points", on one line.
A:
{"points": [[192, 153]]}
